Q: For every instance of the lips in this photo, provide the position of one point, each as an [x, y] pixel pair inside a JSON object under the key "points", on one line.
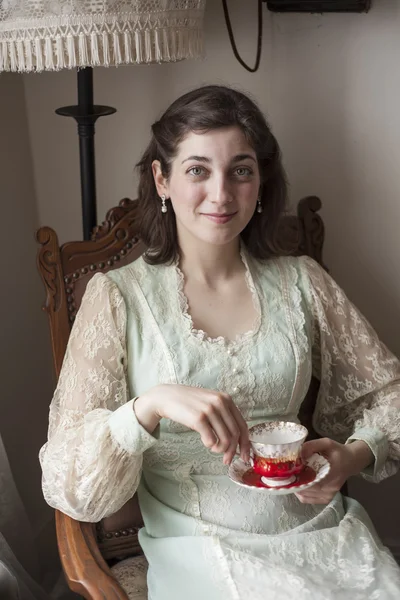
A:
{"points": [[219, 217]]}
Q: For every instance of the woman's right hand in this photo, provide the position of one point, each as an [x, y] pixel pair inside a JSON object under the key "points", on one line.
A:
{"points": [[212, 414]]}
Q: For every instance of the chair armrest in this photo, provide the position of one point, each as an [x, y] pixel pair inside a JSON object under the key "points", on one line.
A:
{"points": [[85, 570]]}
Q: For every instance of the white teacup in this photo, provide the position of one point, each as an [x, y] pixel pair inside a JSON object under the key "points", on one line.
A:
{"points": [[276, 451]]}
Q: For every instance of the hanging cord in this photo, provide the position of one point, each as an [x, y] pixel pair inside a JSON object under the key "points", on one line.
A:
{"points": [[232, 37]]}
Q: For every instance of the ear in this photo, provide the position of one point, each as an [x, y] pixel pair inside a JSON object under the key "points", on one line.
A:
{"points": [[159, 179]]}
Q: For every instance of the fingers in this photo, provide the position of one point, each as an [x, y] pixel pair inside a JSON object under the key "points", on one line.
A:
{"points": [[216, 434], [207, 433], [213, 415], [320, 496], [313, 446], [222, 427], [323, 499], [317, 494], [226, 431], [311, 494], [244, 441], [238, 429]]}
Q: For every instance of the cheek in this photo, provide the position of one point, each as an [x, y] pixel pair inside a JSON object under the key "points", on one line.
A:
{"points": [[186, 198], [249, 198]]}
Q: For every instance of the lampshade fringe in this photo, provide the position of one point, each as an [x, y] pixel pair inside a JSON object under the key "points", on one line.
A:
{"points": [[40, 50]]}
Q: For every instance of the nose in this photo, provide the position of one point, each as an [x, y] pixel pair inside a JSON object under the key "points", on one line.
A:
{"points": [[221, 193]]}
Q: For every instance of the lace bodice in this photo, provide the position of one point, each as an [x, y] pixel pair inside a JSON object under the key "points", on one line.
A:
{"points": [[133, 332]]}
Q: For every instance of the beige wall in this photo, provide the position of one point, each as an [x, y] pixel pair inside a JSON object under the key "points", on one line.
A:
{"points": [[330, 85], [26, 370]]}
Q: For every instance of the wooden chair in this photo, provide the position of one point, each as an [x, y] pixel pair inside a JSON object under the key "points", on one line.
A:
{"points": [[86, 549]]}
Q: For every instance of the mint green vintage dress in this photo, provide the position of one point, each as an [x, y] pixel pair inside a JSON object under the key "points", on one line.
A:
{"points": [[206, 538]]}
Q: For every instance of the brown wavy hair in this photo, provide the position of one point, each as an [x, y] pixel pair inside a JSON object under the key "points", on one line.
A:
{"points": [[202, 110]]}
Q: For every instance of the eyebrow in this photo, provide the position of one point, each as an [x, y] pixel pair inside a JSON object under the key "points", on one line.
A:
{"points": [[240, 157], [197, 159], [205, 159]]}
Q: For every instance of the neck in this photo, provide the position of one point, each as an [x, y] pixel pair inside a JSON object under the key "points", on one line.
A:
{"points": [[207, 262]]}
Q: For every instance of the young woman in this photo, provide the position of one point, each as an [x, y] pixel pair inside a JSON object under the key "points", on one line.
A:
{"points": [[172, 358]]}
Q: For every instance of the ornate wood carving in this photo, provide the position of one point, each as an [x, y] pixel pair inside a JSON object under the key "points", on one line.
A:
{"points": [[50, 269], [113, 254], [120, 543], [113, 216], [112, 237], [114, 244]]}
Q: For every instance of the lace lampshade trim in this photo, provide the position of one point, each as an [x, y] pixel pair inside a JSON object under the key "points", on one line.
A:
{"points": [[55, 43]]}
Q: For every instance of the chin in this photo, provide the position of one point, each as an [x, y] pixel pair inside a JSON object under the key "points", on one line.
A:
{"points": [[220, 239], [222, 235], [217, 235]]}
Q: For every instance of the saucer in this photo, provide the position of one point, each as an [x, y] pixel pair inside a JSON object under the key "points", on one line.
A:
{"points": [[316, 469]]}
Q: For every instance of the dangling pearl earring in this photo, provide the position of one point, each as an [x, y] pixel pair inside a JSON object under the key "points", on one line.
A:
{"points": [[164, 208], [259, 205]]}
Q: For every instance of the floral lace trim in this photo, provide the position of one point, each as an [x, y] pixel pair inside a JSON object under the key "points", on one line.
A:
{"points": [[296, 321], [203, 335], [296, 314]]}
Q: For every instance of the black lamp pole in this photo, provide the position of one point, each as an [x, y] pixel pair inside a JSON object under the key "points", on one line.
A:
{"points": [[86, 114]]}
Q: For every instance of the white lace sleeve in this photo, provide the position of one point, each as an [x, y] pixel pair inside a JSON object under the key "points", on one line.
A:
{"points": [[359, 397], [93, 458]]}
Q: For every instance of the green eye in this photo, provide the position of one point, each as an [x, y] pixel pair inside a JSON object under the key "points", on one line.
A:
{"points": [[196, 171], [243, 171]]}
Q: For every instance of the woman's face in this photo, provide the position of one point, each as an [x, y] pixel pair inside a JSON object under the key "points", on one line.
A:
{"points": [[213, 185]]}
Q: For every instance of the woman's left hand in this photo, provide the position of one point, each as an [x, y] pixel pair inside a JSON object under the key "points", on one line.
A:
{"points": [[345, 461]]}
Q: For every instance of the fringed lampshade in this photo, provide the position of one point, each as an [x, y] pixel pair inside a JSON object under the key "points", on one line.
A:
{"points": [[37, 35]]}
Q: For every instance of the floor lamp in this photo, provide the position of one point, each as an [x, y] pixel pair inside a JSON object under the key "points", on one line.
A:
{"points": [[43, 35]]}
